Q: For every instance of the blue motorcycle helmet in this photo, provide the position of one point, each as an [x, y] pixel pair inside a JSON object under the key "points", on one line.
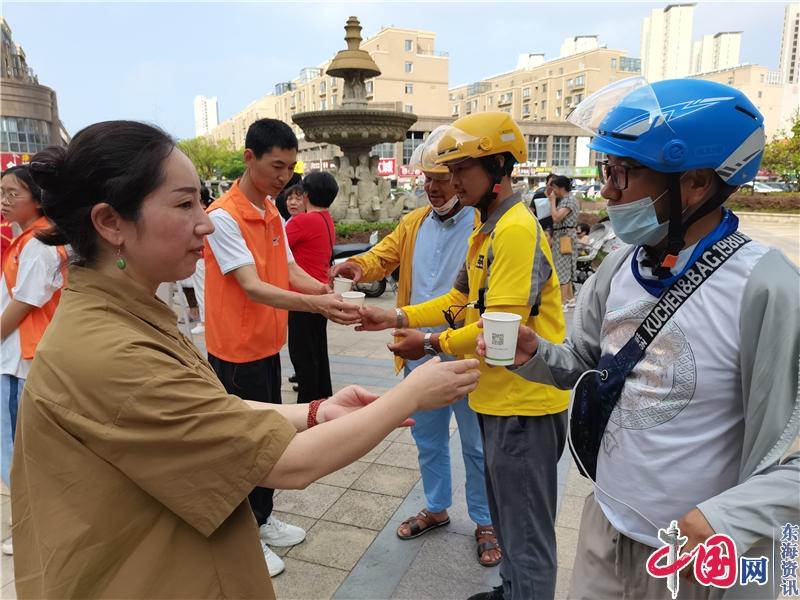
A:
{"points": [[673, 126]]}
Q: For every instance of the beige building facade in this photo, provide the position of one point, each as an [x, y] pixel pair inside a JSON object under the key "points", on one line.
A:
{"points": [[29, 119], [666, 42], [763, 87], [414, 78]]}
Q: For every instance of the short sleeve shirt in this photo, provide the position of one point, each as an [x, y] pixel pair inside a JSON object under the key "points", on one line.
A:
{"points": [[228, 245], [311, 237], [38, 278], [133, 464]]}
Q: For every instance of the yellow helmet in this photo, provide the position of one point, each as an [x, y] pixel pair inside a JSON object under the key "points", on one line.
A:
{"points": [[482, 134], [424, 157], [299, 167]]}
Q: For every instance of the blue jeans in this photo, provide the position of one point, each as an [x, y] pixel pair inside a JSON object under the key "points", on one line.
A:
{"points": [[432, 435], [10, 390]]}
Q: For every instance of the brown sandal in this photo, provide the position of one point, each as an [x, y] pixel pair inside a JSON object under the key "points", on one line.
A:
{"points": [[420, 523], [487, 541]]}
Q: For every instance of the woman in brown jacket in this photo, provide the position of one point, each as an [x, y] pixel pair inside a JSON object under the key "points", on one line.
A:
{"points": [[133, 464]]}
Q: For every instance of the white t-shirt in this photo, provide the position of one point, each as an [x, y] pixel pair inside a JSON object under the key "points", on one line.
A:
{"points": [[685, 394], [228, 245], [38, 278]]}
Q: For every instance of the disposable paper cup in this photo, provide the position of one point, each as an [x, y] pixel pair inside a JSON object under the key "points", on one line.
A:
{"points": [[500, 333], [357, 298], [342, 285]]}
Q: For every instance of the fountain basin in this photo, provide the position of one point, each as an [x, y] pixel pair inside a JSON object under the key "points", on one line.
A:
{"points": [[355, 130]]}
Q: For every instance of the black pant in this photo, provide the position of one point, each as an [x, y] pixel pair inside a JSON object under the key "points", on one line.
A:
{"points": [[308, 349], [520, 456], [258, 380]]}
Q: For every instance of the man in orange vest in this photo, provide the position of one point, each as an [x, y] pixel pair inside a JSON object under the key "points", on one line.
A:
{"points": [[251, 283], [33, 275]]}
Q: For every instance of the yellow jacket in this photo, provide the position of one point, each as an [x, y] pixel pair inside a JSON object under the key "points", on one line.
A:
{"points": [[396, 249]]}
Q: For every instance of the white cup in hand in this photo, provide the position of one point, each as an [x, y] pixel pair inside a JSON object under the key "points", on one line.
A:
{"points": [[354, 297], [342, 285], [500, 334]]}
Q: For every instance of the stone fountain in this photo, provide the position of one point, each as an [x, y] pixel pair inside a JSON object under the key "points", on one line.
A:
{"points": [[355, 129]]}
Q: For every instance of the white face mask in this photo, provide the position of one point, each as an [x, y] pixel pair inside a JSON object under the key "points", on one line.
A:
{"points": [[637, 223], [446, 207]]}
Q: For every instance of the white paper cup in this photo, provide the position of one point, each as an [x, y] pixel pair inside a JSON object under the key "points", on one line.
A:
{"points": [[342, 284], [500, 333], [354, 298]]}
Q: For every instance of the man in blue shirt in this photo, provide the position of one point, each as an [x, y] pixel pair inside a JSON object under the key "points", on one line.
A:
{"points": [[428, 245]]}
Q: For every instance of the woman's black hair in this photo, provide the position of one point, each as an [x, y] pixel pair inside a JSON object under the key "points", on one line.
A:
{"points": [[292, 186], [562, 181], [584, 227], [23, 173], [117, 162]]}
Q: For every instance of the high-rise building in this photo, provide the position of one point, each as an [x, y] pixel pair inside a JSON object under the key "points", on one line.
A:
{"points": [[718, 51], [29, 119], [789, 63], [206, 115], [666, 42], [790, 67], [578, 43]]}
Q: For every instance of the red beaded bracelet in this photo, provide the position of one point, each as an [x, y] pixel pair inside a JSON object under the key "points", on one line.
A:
{"points": [[313, 407]]}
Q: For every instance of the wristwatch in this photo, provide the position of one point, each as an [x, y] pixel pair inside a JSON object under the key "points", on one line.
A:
{"points": [[398, 318], [428, 346]]}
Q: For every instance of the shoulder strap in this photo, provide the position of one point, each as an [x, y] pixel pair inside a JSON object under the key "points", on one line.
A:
{"points": [[678, 293]]}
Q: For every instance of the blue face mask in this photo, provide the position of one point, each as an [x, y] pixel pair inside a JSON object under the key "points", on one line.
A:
{"points": [[636, 223]]}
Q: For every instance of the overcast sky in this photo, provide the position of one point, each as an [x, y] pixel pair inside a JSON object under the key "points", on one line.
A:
{"points": [[148, 60]]}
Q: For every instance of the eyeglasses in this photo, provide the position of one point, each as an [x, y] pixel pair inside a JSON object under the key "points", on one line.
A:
{"points": [[617, 174], [10, 196]]}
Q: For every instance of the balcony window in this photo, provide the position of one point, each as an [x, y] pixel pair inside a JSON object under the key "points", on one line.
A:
{"points": [[561, 156], [537, 150]]}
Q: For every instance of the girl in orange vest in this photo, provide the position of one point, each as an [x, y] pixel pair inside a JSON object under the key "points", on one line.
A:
{"points": [[29, 294]]}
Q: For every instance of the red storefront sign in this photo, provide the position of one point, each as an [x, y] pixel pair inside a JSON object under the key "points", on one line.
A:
{"points": [[13, 159], [387, 167]]}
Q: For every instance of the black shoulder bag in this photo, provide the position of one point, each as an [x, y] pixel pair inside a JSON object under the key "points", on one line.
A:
{"points": [[597, 393]]}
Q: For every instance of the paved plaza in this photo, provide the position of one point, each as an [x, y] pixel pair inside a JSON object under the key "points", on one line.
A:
{"points": [[352, 551]]}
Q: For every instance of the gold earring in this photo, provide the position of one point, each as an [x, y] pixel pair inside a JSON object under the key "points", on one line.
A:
{"points": [[121, 264]]}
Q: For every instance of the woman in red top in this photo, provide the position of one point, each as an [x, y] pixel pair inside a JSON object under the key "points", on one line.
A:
{"points": [[311, 237]]}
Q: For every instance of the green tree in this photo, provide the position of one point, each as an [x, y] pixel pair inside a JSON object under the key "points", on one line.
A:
{"points": [[213, 160], [782, 154]]}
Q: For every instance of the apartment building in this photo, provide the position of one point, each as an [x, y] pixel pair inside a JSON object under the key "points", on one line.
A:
{"points": [[29, 119], [414, 78], [763, 87], [666, 42]]}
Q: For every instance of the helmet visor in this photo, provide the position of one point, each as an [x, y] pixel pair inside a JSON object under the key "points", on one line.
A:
{"points": [[424, 156], [635, 108]]}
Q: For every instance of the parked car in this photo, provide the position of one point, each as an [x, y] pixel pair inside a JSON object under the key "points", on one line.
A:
{"points": [[781, 186], [760, 187]]}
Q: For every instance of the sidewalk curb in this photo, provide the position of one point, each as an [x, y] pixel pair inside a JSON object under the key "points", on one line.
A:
{"points": [[769, 217]]}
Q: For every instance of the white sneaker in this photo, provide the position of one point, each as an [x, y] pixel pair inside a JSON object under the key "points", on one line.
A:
{"points": [[8, 547], [277, 533], [275, 564], [198, 329]]}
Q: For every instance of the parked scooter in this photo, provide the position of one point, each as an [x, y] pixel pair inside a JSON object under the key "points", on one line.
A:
{"points": [[602, 241], [373, 289]]}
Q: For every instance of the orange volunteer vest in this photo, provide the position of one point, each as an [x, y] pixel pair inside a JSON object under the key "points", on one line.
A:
{"points": [[239, 330], [32, 327]]}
